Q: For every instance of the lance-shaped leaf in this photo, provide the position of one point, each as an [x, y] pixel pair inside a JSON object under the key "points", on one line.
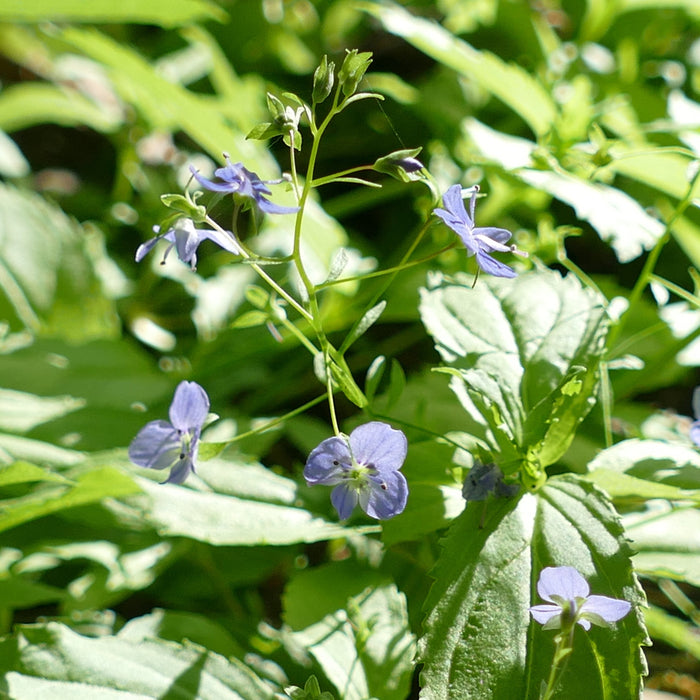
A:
{"points": [[524, 354], [479, 641]]}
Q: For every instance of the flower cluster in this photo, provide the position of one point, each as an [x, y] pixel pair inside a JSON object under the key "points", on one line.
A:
{"points": [[478, 241], [364, 468], [569, 602], [161, 444]]}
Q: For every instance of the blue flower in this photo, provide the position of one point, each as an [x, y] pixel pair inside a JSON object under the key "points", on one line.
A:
{"points": [[364, 468], [695, 427], [567, 591], [478, 241], [160, 444], [186, 239], [239, 180], [485, 479]]}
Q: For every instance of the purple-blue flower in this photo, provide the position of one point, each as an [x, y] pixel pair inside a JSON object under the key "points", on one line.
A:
{"points": [[478, 241], [695, 427], [237, 179], [185, 238], [484, 480], [160, 444], [567, 592], [364, 468]]}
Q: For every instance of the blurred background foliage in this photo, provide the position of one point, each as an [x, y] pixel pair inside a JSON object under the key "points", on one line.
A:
{"points": [[581, 121]]}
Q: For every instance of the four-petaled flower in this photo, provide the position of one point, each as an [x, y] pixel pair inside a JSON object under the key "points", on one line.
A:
{"points": [[160, 444], [567, 592], [239, 180], [364, 468], [185, 238], [478, 241]]}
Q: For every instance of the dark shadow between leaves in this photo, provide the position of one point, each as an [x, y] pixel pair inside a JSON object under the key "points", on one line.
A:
{"points": [[186, 685]]}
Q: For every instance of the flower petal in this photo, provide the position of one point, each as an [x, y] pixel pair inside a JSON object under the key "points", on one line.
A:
{"points": [[156, 446], [562, 581], [600, 608], [209, 185], [145, 248], [453, 202], [696, 403], [327, 462], [492, 266], [695, 432], [544, 613], [379, 445], [386, 499], [271, 208], [190, 406], [498, 235], [344, 499], [224, 240], [181, 471]]}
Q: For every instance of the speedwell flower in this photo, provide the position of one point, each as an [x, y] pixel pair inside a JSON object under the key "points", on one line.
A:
{"points": [[478, 241], [239, 180], [185, 238], [484, 480], [567, 592], [160, 444], [364, 468]]}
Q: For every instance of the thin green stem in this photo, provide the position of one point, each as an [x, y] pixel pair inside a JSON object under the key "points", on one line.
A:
{"points": [[271, 282], [298, 334], [565, 643], [675, 289], [647, 271], [326, 179], [281, 419], [329, 392]]}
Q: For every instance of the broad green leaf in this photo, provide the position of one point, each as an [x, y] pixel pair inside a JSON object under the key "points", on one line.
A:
{"points": [[257, 507], [47, 278], [672, 630], [619, 220], [115, 380], [24, 472], [178, 626], [17, 592], [28, 104], [51, 660], [365, 648], [89, 487], [20, 411], [508, 82], [653, 460], [666, 540], [621, 486], [479, 640], [162, 13], [523, 352]]}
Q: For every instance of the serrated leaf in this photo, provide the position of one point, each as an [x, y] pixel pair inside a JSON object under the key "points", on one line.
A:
{"points": [[473, 649], [524, 352], [653, 460], [51, 660], [248, 505], [365, 648]]}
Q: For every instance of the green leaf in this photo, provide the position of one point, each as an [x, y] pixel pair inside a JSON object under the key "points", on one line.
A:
{"points": [[619, 220], [510, 83], [666, 539], [28, 104], [24, 472], [363, 325], [477, 611], [524, 355], [672, 630], [48, 280], [162, 13], [51, 660], [251, 506], [92, 486], [20, 411], [365, 648], [17, 592], [653, 460]]}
